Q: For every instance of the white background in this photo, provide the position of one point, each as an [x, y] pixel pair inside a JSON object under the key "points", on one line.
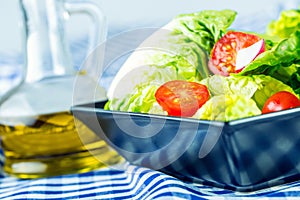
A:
{"points": [[128, 14]]}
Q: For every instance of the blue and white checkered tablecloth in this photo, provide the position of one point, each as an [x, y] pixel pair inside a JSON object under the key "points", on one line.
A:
{"points": [[132, 183]]}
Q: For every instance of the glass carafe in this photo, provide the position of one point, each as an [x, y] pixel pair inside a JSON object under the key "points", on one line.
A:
{"points": [[38, 132]]}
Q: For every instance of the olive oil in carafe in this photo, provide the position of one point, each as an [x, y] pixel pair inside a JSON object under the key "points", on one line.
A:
{"points": [[51, 146]]}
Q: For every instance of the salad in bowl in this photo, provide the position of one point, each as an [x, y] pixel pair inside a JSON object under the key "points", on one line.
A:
{"points": [[201, 68], [209, 104]]}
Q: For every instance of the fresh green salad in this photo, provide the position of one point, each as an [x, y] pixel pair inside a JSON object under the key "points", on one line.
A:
{"points": [[218, 73]]}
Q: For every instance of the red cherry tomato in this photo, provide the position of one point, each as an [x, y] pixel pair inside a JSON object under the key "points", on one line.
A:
{"points": [[280, 101], [181, 98], [224, 52]]}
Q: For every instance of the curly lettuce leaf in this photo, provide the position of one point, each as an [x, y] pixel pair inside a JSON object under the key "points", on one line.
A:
{"points": [[186, 57], [235, 85], [205, 27], [288, 23], [267, 87], [141, 100], [294, 80], [227, 108]]}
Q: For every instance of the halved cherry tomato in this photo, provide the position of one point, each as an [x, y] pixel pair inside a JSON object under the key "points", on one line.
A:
{"points": [[181, 98], [280, 101], [224, 52]]}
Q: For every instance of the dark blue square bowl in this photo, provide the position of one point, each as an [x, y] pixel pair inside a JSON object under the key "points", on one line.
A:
{"points": [[242, 155]]}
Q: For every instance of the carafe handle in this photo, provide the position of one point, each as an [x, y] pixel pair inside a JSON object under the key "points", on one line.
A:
{"points": [[97, 34]]}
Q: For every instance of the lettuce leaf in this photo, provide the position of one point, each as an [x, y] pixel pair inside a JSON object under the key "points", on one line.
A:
{"points": [[267, 86], [240, 90], [141, 100], [294, 79], [231, 85], [228, 107], [288, 23], [205, 27]]}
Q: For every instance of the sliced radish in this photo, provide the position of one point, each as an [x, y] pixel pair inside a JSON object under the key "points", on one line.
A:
{"points": [[246, 55]]}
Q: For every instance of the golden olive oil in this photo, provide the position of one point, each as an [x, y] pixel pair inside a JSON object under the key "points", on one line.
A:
{"points": [[52, 146]]}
